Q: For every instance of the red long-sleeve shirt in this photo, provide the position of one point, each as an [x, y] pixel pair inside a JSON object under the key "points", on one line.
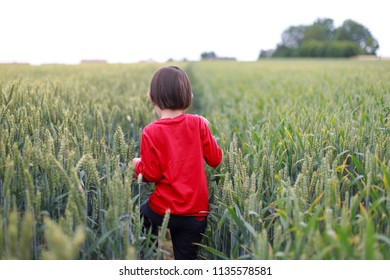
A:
{"points": [[173, 152]]}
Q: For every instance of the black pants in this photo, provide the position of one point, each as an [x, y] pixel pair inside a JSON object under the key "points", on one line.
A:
{"points": [[185, 231]]}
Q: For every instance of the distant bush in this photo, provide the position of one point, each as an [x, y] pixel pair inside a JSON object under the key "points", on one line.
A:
{"points": [[283, 51], [329, 49], [343, 49], [312, 49]]}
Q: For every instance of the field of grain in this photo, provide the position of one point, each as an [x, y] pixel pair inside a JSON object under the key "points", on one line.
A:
{"points": [[305, 175]]}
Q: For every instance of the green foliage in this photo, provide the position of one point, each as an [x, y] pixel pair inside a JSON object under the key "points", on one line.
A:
{"points": [[355, 32], [329, 49], [320, 30], [60, 246], [68, 134], [208, 55], [305, 174], [322, 39]]}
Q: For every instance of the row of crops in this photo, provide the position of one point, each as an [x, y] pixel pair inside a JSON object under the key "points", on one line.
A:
{"points": [[305, 174]]}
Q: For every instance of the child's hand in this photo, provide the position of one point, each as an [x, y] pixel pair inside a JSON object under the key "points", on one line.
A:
{"points": [[135, 161]]}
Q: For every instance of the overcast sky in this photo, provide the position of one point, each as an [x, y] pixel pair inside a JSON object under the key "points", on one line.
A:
{"points": [[122, 31]]}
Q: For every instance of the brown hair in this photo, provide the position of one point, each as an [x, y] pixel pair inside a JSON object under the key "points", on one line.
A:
{"points": [[170, 88]]}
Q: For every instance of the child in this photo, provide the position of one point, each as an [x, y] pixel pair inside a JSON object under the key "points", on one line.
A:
{"points": [[173, 151]]}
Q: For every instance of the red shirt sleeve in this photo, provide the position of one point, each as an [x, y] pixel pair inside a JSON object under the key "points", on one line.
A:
{"points": [[212, 153], [149, 166]]}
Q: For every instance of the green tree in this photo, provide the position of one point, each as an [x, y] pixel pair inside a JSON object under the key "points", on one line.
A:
{"points": [[353, 31], [208, 55], [266, 53], [322, 39], [321, 30], [293, 36]]}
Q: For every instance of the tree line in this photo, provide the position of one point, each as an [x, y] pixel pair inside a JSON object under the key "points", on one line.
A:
{"points": [[323, 39]]}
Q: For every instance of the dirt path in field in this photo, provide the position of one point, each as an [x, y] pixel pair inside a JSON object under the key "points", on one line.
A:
{"points": [[167, 246]]}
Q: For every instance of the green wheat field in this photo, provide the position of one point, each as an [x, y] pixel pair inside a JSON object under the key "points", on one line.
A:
{"points": [[305, 174]]}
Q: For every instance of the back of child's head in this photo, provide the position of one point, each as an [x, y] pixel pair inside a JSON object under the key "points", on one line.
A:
{"points": [[170, 88]]}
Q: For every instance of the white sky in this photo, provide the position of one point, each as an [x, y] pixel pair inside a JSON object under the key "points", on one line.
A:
{"points": [[120, 31]]}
